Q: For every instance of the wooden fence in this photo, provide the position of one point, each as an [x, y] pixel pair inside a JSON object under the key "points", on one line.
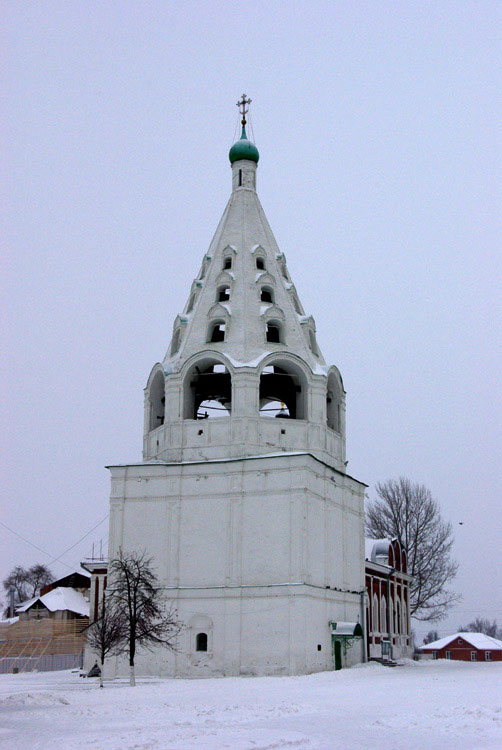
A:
{"points": [[47, 644]]}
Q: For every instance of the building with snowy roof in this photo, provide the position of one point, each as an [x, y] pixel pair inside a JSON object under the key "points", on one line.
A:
{"points": [[465, 647], [388, 628], [48, 632], [242, 498], [62, 603]]}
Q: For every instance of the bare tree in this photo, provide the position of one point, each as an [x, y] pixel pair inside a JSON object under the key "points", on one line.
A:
{"points": [[480, 625], [149, 619], [27, 582], [431, 636], [106, 635], [408, 512]]}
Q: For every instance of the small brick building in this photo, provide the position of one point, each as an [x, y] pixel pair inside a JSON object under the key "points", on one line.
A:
{"points": [[388, 629], [465, 647]]}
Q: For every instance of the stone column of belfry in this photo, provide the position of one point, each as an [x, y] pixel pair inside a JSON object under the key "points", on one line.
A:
{"points": [[242, 498]]}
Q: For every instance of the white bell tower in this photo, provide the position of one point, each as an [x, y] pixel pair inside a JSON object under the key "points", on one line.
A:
{"points": [[242, 497]]}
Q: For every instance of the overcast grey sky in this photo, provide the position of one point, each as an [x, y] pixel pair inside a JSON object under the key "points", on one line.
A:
{"points": [[377, 125]]}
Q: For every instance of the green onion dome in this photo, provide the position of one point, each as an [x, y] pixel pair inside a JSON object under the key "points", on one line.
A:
{"points": [[243, 149]]}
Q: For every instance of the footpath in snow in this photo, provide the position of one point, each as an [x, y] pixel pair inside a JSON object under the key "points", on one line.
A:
{"points": [[428, 705]]}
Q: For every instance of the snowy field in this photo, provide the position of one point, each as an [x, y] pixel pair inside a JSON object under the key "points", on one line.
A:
{"points": [[429, 705]]}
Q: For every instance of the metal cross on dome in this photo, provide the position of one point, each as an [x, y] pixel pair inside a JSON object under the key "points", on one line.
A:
{"points": [[242, 107]]}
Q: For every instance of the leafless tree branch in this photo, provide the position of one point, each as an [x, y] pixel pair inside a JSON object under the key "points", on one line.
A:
{"points": [[408, 512]]}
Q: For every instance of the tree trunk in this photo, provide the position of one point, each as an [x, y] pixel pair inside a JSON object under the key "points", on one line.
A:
{"points": [[101, 673], [132, 676]]}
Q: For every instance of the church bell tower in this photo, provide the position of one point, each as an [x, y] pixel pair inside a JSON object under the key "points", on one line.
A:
{"points": [[242, 498]]}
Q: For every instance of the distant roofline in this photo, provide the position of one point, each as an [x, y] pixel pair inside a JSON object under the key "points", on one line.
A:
{"points": [[158, 462], [442, 643]]}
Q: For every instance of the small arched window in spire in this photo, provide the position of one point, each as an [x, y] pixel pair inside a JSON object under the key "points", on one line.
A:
{"points": [[227, 262], [267, 294], [240, 177], [223, 294], [217, 332], [260, 263], [274, 332]]}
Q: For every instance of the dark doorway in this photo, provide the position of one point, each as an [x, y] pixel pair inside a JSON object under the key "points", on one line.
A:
{"points": [[337, 653]]}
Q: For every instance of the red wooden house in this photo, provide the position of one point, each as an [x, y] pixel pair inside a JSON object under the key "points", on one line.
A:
{"points": [[465, 647]]}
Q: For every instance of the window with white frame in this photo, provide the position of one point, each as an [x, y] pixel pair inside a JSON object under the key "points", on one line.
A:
{"points": [[488, 655], [448, 654], [375, 614], [383, 615], [474, 655]]}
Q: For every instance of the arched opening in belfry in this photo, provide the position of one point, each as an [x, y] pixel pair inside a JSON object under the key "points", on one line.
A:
{"points": [[227, 262], [207, 391], [334, 402], [260, 263], [157, 398], [283, 391]]}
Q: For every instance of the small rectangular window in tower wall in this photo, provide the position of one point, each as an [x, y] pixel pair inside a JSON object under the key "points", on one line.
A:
{"points": [[240, 177]]}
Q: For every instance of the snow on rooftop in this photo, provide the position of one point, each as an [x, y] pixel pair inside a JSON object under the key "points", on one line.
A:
{"points": [[374, 547], [9, 621], [62, 598], [26, 605], [478, 640]]}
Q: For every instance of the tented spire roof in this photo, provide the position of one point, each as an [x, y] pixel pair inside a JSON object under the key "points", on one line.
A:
{"points": [[244, 287]]}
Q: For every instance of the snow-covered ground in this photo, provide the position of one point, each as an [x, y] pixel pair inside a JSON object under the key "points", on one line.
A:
{"points": [[439, 704]]}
